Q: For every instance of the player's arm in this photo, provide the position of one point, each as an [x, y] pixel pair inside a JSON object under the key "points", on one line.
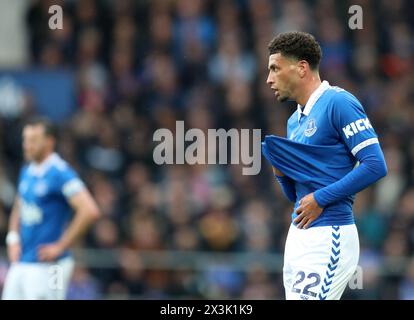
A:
{"points": [[13, 236], [85, 213], [372, 167], [357, 133], [287, 184]]}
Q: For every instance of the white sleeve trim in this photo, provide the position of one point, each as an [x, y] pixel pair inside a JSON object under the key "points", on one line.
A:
{"points": [[72, 187], [364, 144]]}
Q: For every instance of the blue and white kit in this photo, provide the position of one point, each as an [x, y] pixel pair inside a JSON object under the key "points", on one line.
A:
{"points": [[44, 191], [331, 150]]}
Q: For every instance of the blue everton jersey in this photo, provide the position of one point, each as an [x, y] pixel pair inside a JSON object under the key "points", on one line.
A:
{"points": [[44, 190], [323, 138]]}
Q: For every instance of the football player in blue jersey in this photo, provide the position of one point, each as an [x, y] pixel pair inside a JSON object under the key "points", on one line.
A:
{"points": [[41, 226], [330, 153]]}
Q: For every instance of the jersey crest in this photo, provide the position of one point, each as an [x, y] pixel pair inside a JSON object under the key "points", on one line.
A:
{"points": [[310, 128]]}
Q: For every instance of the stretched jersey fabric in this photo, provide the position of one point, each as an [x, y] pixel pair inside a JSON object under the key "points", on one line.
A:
{"points": [[325, 141], [44, 190]]}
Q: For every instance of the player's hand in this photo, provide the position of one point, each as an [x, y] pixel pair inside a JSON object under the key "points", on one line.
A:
{"points": [[49, 252], [277, 172], [308, 211], [13, 251]]}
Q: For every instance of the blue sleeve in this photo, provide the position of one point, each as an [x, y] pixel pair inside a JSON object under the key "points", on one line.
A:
{"points": [[358, 135], [70, 183], [288, 187], [372, 167], [349, 119]]}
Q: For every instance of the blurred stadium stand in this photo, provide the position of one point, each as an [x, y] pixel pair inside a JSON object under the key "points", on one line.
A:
{"points": [[121, 69]]}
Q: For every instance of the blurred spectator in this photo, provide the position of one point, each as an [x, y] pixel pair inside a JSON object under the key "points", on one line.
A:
{"points": [[83, 286]]}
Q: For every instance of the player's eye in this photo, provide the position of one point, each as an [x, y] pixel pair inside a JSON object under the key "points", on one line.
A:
{"points": [[275, 69]]}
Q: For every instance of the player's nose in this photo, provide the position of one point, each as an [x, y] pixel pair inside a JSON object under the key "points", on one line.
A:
{"points": [[269, 80]]}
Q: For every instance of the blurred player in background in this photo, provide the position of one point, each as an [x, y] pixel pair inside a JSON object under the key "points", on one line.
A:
{"points": [[316, 166], [40, 228]]}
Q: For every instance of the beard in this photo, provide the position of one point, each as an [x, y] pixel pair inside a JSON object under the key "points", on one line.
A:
{"points": [[282, 98]]}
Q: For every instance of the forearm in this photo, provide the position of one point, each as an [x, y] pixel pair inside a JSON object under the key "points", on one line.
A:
{"points": [[288, 187], [76, 228], [371, 169], [14, 216], [14, 220], [287, 184], [13, 236]]}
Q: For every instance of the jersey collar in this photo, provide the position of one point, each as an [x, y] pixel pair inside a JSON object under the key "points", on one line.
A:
{"points": [[312, 99], [39, 169]]}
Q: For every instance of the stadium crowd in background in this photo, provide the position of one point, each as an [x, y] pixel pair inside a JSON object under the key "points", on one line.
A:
{"points": [[143, 65]]}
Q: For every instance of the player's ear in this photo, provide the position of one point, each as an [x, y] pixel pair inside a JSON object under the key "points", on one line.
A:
{"points": [[52, 142], [302, 67]]}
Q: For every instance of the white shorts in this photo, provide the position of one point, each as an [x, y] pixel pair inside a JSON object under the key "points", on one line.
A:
{"points": [[319, 261], [38, 281]]}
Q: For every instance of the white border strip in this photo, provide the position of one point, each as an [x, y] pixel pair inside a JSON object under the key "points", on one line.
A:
{"points": [[364, 144]]}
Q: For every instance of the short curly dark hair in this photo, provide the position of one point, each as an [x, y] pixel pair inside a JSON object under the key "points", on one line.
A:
{"points": [[298, 45]]}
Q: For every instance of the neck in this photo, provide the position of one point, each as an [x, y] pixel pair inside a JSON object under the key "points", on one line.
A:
{"points": [[39, 161], [308, 88]]}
